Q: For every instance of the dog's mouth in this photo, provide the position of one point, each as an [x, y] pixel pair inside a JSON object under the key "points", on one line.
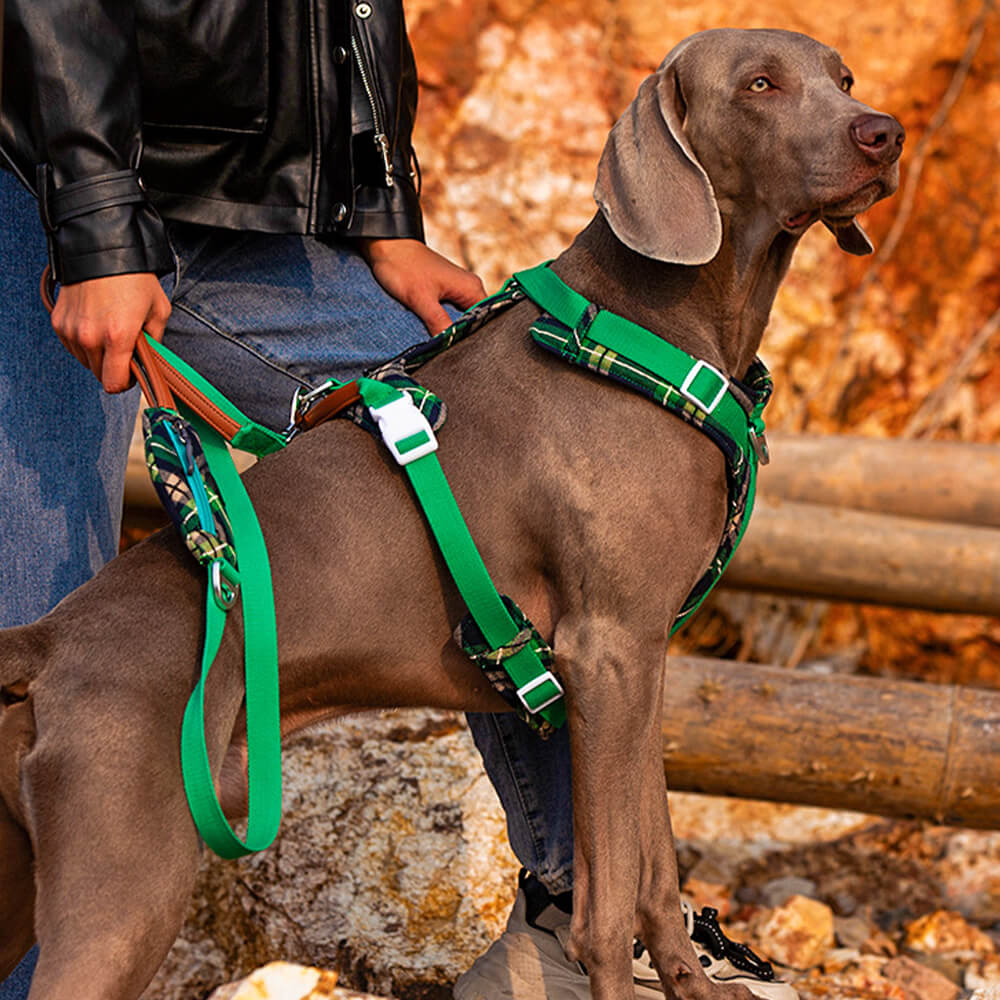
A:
{"points": [[800, 223], [842, 211], [839, 212]]}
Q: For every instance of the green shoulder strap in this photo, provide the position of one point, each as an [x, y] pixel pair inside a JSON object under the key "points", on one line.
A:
{"points": [[412, 443], [699, 381]]}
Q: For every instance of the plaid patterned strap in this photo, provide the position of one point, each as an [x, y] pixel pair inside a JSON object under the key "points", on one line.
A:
{"points": [[729, 413]]}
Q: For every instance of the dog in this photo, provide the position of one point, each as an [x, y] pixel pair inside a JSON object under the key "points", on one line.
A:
{"points": [[594, 510]]}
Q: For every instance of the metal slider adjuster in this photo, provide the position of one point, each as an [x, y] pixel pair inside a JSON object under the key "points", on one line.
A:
{"points": [[685, 386], [535, 682]]}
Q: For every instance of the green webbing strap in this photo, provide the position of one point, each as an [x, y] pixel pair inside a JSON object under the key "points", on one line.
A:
{"points": [[539, 690], [695, 379], [261, 665], [252, 437]]}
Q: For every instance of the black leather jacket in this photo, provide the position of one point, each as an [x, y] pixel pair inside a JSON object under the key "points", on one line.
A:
{"points": [[290, 116]]}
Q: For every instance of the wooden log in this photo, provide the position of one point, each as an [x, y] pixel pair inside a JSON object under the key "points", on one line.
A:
{"points": [[893, 748], [933, 480], [815, 551]]}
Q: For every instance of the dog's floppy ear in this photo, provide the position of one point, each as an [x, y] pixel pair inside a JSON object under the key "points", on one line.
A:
{"points": [[651, 188], [851, 237]]}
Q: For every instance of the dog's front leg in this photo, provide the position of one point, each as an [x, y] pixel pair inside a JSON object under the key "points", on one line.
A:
{"points": [[660, 923], [613, 679], [624, 868]]}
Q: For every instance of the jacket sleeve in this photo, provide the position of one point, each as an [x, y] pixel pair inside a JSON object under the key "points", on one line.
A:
{"points": [[72, 124]]}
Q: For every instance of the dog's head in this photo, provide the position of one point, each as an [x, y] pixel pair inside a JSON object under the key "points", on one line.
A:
{"points": [[757, 123]]}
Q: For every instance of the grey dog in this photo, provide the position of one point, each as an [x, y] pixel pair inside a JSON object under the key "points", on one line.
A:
{"points": [[590, 507]]}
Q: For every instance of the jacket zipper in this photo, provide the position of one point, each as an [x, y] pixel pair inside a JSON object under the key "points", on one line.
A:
{"points": [[381, 140], [317, 125]]}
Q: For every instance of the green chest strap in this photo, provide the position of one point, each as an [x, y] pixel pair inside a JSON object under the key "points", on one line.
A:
{"points": [[730, 416]]}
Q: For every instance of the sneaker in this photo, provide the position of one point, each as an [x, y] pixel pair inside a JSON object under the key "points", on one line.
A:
{"points": [[528, 961]]}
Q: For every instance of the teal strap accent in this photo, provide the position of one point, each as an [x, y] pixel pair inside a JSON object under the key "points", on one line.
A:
{"points": [[252, 437], [261, 665], [539, 690], [706, 387]]}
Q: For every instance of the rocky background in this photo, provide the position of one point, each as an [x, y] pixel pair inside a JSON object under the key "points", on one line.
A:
{"points": [[393, 866]]}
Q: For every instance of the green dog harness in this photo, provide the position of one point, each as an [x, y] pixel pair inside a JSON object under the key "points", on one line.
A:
{"points": [[195, 477]]}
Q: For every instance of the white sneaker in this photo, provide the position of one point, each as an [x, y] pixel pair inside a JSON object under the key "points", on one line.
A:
{"points": [[528, 961]]}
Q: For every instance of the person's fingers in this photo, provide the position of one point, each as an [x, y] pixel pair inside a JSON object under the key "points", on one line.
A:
{"points": [[159, 313], [432, 313], [467, 290]]}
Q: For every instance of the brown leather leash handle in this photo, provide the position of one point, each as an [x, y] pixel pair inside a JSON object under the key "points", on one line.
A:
{"points": [[159, 380], [329, 406]]}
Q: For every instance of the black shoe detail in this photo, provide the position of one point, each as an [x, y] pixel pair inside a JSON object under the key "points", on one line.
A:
{"points": [[707, 932], [537, 898]]}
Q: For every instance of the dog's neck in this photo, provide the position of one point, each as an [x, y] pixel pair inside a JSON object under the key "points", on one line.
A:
{"points": [[716, 311]]}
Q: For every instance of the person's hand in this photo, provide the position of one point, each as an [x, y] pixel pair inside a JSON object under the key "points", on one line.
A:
{"points": [[421, 279], [99, 321]]}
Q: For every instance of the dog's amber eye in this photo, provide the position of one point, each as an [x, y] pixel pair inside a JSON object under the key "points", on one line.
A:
{"points": [[760, 84], [846, 84]]}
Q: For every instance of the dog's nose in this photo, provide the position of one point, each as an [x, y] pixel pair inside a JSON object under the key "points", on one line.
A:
{"points": [[879, 137]]}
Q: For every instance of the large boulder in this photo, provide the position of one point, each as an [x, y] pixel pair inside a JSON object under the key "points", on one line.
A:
{"points": [[392, 866]]}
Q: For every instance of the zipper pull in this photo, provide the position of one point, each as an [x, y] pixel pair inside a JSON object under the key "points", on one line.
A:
{"points": [[383, 147], [187, 456]]}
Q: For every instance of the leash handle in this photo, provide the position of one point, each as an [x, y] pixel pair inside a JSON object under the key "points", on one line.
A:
{"points": [[143, 365]]}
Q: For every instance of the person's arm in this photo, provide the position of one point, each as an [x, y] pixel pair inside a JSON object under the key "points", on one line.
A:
{"points": [[76, 127]]}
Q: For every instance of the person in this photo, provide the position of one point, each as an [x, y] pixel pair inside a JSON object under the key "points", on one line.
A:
{"points": [[238, 179]]}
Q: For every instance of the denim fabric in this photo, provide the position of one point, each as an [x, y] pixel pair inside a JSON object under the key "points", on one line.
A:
{"points": [[532, 779], [62, 509], [260, 315]]}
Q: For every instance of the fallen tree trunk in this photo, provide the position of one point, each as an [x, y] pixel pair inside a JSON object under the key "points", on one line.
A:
{"points": [[816, 551], [933, 480], [873, 745]]}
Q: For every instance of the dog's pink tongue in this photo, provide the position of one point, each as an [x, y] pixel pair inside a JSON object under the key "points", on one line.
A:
{"points": [[798, 220]]}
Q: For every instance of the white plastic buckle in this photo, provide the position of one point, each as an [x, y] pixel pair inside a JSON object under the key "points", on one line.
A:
{"points": [[689, 379], [398, 422], [537, 682]]}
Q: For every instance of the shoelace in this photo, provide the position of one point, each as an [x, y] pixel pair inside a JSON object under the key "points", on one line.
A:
{"points": [[705, 930]]}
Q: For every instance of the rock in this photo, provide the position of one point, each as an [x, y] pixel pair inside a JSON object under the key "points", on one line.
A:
{"points": [[285, 981], [713, 894], [919, 982], [984, 974], [392, 866], [280, 981], [854, 974], [780, 890], [945, 932], [797, 934], [852, 932]]}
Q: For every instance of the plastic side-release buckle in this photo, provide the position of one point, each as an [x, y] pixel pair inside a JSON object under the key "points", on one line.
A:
{"points": [[404, 429]]}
